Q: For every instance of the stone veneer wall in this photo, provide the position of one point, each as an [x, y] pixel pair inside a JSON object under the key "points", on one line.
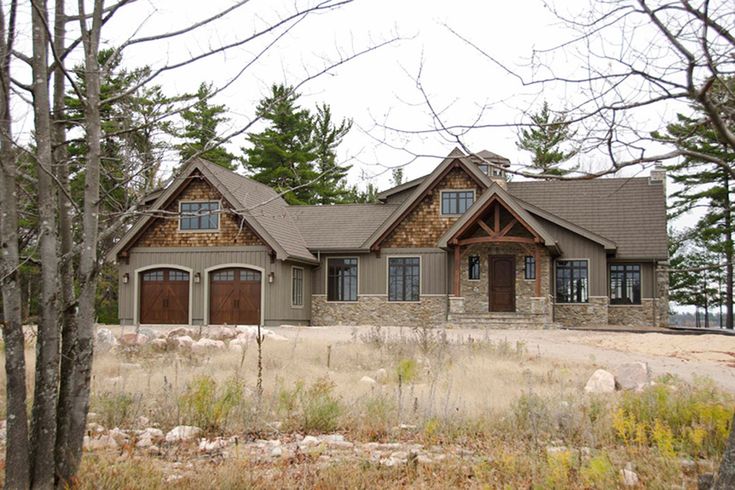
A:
{"points": [[475, 293], [662, 295], [377, 310], [424, 225], [164, 232], [641, 315], [589, 314]]}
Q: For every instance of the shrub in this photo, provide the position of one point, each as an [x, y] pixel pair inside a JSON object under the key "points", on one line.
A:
{"points": [[599, 472], [114, 409], [407, 370], [205, 405], [312, 409]]}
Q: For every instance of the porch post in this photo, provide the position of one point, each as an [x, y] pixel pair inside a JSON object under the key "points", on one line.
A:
{"points": [[538, 271], [457, 272]]}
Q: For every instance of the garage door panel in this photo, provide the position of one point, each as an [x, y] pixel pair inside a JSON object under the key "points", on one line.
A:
{"points": [[234, 297], [164, 297]]}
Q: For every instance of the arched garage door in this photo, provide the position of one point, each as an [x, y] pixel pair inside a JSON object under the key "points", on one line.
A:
{"points": [[234, 296], [164, 297]]}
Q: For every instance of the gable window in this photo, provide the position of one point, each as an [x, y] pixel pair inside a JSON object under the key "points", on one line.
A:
{"points": [[456, 202], [484, 168], [572, 279], [297, 286], [529, 263], [625, 284], [473, 268], [404, 278], [199, 216], [342, 279]]}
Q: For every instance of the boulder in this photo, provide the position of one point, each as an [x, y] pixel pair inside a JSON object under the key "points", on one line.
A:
{"points": [[633, 376], [133, 340], [217, 444], [251, 332], [104, 340], [150, 333], [98, 443], [368, 380], [159, 345], [309, 441], [237, 348], [630, 477], [181, 332], [205, 345], [120, 436], [221, 333], [601, 381], [183, 433], [184, 342]]}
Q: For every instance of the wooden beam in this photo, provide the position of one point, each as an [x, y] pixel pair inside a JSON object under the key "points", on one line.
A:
{"points": [[508, 227], [504, 239], [485, 227], [538, 272], [497, 217], [457, 270]]}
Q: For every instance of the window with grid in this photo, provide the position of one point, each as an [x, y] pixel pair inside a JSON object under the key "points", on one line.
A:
{"points": [[342, 279], [404, 278], [456, 202], [530, 267], [572, 278], [297, 286], [199, 215], [625, 284], [473, 268]]}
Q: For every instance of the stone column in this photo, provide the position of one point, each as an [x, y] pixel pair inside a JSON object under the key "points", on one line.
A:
{"points": [[662, 294]]}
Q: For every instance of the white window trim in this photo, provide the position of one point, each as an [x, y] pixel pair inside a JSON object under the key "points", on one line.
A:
{"points": [[301, 306], [441, 200], [387, 278], [326, 278], [589, 280], [468, 268], [208, 230]]}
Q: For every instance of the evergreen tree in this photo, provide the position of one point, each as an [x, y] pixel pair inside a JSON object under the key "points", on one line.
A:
{"points": [[200, 131], [397, 176], [544, 139], [703, 184], [296, 153]]}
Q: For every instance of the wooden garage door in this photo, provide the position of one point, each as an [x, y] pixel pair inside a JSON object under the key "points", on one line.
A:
{"points": [[234, 297], [164, 297]]}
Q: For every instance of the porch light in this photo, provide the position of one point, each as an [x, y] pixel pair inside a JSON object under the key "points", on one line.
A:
{"points": [[271, 277], [197, 278], [126, 278]]}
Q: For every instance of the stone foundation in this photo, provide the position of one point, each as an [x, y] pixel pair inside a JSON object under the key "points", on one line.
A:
{"points": [[592, 314], [377, 310], [642, 315]]}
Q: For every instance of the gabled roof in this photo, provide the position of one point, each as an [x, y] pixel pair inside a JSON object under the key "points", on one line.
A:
{"points": [[260, 206], [497, 193], [454, 159]]}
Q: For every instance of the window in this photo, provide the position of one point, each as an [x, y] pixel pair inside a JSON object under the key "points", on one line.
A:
{"points": [[153, 276], [572, 281], [248, 275], [529, 262], [178, 276], [199, 216], [625, 284], [297, 286], [484, 168], [342, 279], [456, 202], [473, 268], [404, 278], [228, 275]]}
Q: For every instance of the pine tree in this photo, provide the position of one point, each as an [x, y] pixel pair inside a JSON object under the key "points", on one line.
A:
{"points": [[200, 131], [544, 139], [296, 153], [397, 176]]}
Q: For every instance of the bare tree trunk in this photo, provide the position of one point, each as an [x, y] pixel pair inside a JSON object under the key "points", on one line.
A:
{"points": [[726, 474], [728, 254], [17, 470], [43, 433], [78, 371]]}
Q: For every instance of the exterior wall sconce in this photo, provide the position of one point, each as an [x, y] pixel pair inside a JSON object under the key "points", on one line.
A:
{"points": [[197, 278], [126, 278], [271, 277]]}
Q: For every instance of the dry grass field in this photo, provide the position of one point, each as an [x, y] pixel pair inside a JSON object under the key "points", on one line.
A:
{"points": [[367, 407]]}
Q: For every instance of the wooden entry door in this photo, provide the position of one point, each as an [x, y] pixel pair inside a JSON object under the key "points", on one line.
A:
{"points": [[502, 287], [234, 297], [164, 297]]}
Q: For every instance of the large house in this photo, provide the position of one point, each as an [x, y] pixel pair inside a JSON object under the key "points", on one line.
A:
{"points": [[461, 245]]}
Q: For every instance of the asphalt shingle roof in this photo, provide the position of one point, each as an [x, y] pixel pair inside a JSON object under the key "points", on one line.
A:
{"points": [[339, 226]]}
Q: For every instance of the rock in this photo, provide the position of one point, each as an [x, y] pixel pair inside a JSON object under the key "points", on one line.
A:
{"points": [[630, 477], [276, 452], [332, 438], [251, 332], [217, 444], [368, 380], [133, 340], [99, 443], [159, 345], [601, 381], [381, 374], [236, 348], [204, 345], [632, 376], [221, 333], [181, 332], [309, 441], [241, 342], [153, 433], [144, 441], [184, 342], [95, 429], [149, 332], [104, 340], [183, 433], [120, 436]]}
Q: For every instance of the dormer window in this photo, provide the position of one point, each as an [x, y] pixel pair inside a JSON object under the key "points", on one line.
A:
{"points": [[199, 216], [456, 202], [484, 168]]}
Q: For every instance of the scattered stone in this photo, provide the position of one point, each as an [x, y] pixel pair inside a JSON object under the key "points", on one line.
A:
{"points": [[424, 459], [601, 381], [94, 428], [149, 332], [183, 342], [309, 441], [630, 477], [277, 452], [100, 443], [221, 333], [204, 345], [133, 340], [332, 438], [217, 444], [120, 436], [183, 433], [181, 332], [159, 345], [381, 374], [633, 376], [104, 340], [251, 332], [368, 380]]}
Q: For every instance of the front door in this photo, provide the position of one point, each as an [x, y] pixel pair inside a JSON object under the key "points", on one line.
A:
{"points": [[502, 288]]}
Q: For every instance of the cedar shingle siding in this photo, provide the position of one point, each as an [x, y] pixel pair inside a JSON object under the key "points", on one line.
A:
{"points": [[164, 232], [424, 225]]}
